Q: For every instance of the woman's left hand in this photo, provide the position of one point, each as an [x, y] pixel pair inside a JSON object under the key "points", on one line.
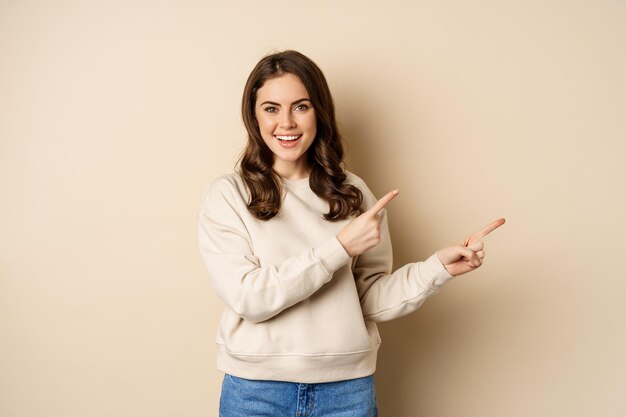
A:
{"points": [[467, 255]]}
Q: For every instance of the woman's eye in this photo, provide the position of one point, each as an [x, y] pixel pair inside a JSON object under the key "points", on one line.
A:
{"points": [[271, 109], [302, 107]]}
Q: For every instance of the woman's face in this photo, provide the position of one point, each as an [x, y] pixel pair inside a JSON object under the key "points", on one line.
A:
{"points": [[287, 123]]}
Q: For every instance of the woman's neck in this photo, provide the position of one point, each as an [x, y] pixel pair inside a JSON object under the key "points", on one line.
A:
{"points": [[292, 171]]}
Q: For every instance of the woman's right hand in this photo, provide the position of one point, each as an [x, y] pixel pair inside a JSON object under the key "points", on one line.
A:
{"points": [[363, 232]]}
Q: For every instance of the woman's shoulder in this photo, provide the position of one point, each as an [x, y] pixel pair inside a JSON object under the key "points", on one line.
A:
{"points": [[227, 187], [232, 179], [353, 179], [368, 197]]}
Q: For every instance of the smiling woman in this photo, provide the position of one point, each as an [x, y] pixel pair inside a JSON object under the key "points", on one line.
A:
{"points": [[298, 249], [287, 124], [287, 94]]}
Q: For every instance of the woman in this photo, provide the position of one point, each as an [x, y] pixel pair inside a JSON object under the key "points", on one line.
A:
{"points": [[298, 249]]}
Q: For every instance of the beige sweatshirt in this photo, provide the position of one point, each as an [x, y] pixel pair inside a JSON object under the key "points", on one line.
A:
{"points": [[297, 306]]}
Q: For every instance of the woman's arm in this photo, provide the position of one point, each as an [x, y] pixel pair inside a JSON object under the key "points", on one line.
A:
{"points": [[385, 295], [254, 292]]}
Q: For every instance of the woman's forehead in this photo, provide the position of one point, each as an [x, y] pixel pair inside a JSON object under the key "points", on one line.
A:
{"points": [[285, 88]]}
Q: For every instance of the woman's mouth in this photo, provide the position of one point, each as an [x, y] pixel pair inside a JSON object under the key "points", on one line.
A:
{"points": [[288, 141], [287, 138]]}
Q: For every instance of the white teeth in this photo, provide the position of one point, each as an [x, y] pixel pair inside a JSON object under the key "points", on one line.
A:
{"points": [[287, 137]]}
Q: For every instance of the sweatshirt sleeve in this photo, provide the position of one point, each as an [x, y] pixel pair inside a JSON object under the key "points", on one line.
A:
{"points": [[385, 295], [255, 292]]}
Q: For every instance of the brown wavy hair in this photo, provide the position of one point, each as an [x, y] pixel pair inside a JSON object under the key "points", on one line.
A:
{"points": [[325, 155]]}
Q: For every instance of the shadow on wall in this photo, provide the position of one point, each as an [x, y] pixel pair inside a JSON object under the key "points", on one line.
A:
{"points": [[398, 363], [402, 354]]}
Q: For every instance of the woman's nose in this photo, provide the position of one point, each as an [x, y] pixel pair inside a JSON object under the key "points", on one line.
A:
{"points": [[288, 121]]}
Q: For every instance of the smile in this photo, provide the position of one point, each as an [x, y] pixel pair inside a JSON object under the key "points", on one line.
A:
{"points": [[287, 138]]}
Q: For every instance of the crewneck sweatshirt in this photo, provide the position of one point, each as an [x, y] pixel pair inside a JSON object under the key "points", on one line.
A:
{"points": [[298, 308]]}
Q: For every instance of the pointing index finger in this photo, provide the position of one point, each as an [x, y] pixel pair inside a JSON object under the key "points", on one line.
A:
{"points": [[484, 231], [380, 204]]}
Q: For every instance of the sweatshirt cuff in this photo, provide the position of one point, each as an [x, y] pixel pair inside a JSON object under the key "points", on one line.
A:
{"points": [[432, 267], [332, 255]]}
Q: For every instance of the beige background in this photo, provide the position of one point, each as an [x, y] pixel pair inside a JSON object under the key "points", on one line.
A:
{"points": [[114, 115]]}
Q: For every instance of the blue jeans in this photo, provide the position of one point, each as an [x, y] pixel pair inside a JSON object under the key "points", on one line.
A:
{"points": [[250, 398]]}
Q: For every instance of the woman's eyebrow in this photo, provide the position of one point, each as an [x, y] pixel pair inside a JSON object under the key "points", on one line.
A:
{"points": [[273, 103], [270, 102]]}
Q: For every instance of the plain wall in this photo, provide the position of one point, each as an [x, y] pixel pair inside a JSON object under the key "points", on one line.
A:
{"points": [[114, 115]]}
